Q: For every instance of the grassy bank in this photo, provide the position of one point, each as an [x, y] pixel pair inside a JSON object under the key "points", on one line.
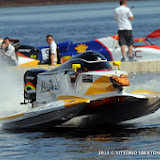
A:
{"points": [[16, 3]]}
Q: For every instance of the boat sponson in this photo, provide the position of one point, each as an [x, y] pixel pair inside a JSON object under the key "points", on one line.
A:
{"points": [[44, 121], [129, 109]]}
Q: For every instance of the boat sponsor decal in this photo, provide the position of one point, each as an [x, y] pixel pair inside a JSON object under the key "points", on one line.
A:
{"points": [[87, 78], [81, 48], [24, 50], [29, 85], [49, 85], [30, 77]]}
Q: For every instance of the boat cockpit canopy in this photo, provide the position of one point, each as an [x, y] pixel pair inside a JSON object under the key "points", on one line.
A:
{"points": [[89, 61]]}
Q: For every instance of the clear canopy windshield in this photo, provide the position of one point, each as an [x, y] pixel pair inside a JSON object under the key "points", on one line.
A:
{"points": [[89, 61]]}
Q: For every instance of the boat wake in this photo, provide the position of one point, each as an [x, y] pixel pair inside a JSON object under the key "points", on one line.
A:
{"points": [[148, 82], [151, 120]]}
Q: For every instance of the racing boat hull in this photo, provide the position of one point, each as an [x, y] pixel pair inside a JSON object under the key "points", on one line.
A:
{"points": [[110, 114], [130, 108]]}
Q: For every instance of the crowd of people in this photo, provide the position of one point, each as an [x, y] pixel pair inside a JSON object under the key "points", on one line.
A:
{"points": [[123, 15]]}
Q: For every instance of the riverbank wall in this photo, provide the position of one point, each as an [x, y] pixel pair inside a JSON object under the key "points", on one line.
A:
{"points": [[137, 67], [140, 66]]}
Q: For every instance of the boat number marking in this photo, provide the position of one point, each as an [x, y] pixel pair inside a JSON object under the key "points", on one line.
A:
{"points": [[87, 78]]}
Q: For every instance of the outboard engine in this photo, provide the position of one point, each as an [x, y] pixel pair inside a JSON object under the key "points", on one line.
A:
{"points": [[30, 82]]}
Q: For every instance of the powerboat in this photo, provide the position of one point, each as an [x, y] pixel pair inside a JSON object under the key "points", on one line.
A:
{"points": [[143, 49], [85, 85], [26, 55]]}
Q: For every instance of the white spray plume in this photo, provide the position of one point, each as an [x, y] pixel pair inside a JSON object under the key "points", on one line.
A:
{"points": [[11, 90], [146, 82]]}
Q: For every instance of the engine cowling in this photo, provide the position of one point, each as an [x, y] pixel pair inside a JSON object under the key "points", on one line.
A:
{"points": [[30, 82]]}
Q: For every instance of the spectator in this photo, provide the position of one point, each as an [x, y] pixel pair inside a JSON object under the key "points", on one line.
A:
{"points": [[123, 16], [9, 52], [52, 51]]}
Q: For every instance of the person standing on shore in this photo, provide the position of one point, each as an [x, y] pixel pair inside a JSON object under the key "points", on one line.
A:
{"points": [[124, 16], [52, 50], [9, 52]]}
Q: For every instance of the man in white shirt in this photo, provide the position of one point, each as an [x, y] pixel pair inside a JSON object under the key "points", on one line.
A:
{"points": [[123, 16], [52, 51], [9, 52]]}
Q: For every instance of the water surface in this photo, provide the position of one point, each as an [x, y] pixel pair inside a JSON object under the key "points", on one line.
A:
{"points": [[76, 22]]}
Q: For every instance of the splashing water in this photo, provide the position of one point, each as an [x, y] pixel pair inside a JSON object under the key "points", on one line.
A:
{"points": [[145, 82], [11, 90], [149, 120]]}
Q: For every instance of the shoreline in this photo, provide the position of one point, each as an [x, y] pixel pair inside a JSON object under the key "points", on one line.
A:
{"points": [[22, 3], [136, 67]]}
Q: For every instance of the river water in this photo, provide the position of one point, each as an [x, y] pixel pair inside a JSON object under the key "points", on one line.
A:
{"points": [[77, 22]]}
